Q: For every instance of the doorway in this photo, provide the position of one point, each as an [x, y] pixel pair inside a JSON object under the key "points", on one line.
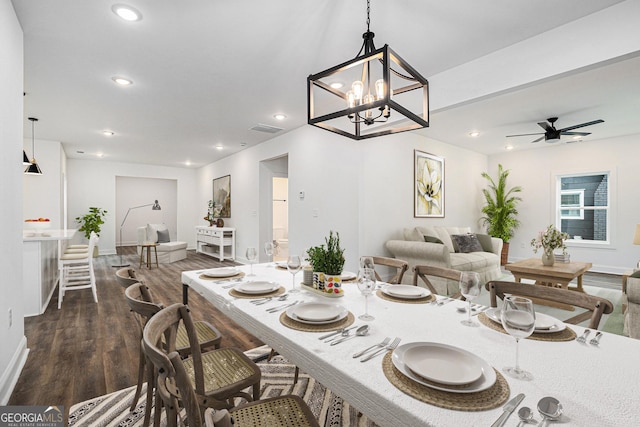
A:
{"points": [[274, 207], [280, 217]]}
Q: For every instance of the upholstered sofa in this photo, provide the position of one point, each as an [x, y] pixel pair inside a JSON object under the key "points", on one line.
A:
{"points": [[168, 251], [435, 246], [631, 304]]}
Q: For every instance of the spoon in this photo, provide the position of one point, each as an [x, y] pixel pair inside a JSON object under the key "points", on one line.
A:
{"points": [[550, 409], [345, 333], [360, 332], [525, 414]]}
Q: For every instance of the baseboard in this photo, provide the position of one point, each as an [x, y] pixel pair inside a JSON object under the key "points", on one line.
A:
{"points": [[12, 372]]}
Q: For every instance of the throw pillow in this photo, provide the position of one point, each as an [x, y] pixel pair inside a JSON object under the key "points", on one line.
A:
{"points": [[635, 274], [485, 242], [152, 231], [465, 243], [431, 239], [163, 236]]}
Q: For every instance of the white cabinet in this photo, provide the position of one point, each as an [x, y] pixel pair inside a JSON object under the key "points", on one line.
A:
{"points": [[218, 242]]}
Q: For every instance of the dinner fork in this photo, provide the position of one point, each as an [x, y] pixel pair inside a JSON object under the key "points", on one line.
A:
{"points": [[379, 345], [583, 337], [596, 340], [391, 346]]}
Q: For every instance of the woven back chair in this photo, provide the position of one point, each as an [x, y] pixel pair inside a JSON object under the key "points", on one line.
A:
{"points": [[281, 411], [595, 306], [140, 301], [400, 266], [204, 379], [126, 277], [422, 271]]}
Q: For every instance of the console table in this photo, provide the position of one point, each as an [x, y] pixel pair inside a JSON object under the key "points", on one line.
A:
{"points": [[217, 242]]}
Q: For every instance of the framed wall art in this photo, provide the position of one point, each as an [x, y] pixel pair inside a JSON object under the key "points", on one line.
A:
{"points": [[428, 174], [222, 196]]}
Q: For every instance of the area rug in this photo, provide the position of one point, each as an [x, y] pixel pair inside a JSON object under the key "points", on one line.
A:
{"points": [[277, 379]]}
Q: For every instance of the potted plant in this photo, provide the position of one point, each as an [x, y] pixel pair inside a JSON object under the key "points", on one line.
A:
{"points": [[91, 222], [327, 261], [549, 240], [500, 210]]}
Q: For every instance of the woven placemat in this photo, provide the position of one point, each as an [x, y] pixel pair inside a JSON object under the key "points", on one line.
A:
{"points": [[328, 327], [423, 300], [566, 335], [222, 279], [490, 398], [281, 290]]}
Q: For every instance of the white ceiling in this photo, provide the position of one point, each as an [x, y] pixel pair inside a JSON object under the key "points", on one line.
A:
{"points": [[206, 71]]}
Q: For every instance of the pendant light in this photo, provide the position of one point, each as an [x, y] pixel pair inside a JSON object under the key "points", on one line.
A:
{"points": [[33, 168], [25, 159], [380, 92]]}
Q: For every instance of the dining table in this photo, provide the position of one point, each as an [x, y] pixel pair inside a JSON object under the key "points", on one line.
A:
{"points": [[596, 384]]}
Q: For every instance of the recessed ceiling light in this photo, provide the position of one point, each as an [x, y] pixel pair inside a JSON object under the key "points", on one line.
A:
{"points": [[577, 137], [336, 85], [219, 147], [474, 133], [279, 116], [127, 13], [122, 81], [187, 163], [107, 133], [100, 154], [509, 147]]}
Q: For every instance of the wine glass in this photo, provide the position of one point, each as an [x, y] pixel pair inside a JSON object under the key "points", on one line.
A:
{"points": [[469, 288], [269, 249], [366, 285], [251, 256], [294, 264], [518, 319]]}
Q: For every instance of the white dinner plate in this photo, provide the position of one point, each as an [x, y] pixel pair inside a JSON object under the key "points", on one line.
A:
{"points": [[282, 265], [348, 275], [556, 326], [257, 287], [291, 313], [406, 291], [486, 380], [221, 272], [317, 311], [443, 364]]}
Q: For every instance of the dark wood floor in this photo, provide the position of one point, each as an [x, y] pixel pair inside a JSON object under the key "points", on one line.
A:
{"points": [[86, 349]]}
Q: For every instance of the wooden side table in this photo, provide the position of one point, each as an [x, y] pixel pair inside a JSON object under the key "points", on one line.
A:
{"points": [[148, 247]]}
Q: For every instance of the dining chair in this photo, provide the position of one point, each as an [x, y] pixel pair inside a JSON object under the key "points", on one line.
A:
{"points": [[400, 266], [140, 301], [422, 271], [75, 271], [595, 306], [212, 379], [281, 411], [126, 277]]}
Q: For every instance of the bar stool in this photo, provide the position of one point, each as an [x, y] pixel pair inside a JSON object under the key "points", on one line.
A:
{"points": [[75, 271], [148, 246]]}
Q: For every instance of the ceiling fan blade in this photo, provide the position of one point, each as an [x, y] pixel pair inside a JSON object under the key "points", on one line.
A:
{"points": [[576, 133], [545, 126], [595, 122], [525, 134], [538, 140]]}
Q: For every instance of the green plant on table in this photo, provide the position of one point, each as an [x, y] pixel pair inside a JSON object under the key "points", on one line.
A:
{"points": [[549, 240], [329, 257], [91, 221]]}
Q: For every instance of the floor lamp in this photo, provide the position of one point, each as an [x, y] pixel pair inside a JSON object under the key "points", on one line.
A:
{"points": [[154, 206]]}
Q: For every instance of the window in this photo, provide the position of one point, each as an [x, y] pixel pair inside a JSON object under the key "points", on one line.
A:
{"points": [[583, 206], [572, 199]]}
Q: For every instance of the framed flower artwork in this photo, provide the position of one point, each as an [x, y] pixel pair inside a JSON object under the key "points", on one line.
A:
{"points": [[428, 174]]}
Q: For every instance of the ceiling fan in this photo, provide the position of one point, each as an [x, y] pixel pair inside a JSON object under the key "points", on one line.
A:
{"points": [[551, 134]]}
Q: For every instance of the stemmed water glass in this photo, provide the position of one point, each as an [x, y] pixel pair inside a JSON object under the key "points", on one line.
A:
{"points": [[294, 264], [251, 256], [518, 319], [269, 248], [469, 288], [366, 285]]}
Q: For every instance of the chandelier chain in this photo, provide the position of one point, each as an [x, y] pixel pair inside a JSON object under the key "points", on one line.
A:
{"points": [[368, 12]]}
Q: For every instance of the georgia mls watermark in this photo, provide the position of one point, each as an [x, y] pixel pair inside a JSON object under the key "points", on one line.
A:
{"points": [[31, 416]]}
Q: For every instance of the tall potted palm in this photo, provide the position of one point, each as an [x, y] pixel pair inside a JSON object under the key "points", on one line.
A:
{"points": [[500, 210]]}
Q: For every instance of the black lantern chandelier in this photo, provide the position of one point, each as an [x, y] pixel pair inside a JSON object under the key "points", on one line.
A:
{"points": [[371, 95]]}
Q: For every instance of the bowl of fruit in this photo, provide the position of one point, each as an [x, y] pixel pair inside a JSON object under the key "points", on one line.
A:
{"points": [[37, 224]]}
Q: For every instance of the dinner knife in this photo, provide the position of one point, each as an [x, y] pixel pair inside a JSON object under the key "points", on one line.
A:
{"points": [[339, 331], [508, 410]]}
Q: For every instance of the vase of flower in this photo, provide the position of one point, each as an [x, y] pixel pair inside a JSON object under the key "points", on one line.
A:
{"points": [[549, 240], [547, 258]]}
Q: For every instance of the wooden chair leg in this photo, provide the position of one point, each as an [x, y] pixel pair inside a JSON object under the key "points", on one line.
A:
{"points": [[141, 373], [295, 375]]}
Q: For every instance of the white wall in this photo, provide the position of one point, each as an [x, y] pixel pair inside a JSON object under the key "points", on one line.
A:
{"points": [[133, 192], [13, 350], [93, 183], [43, 193], [535, 171], [363, 190]]}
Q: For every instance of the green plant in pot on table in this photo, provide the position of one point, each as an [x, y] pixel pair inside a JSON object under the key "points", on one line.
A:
{"points": [[549, 240], [500, 210], [91, 222], [327, 261]]}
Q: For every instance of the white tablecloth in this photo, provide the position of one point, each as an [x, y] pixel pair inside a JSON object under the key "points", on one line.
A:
{"points": [[597, 386]]}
